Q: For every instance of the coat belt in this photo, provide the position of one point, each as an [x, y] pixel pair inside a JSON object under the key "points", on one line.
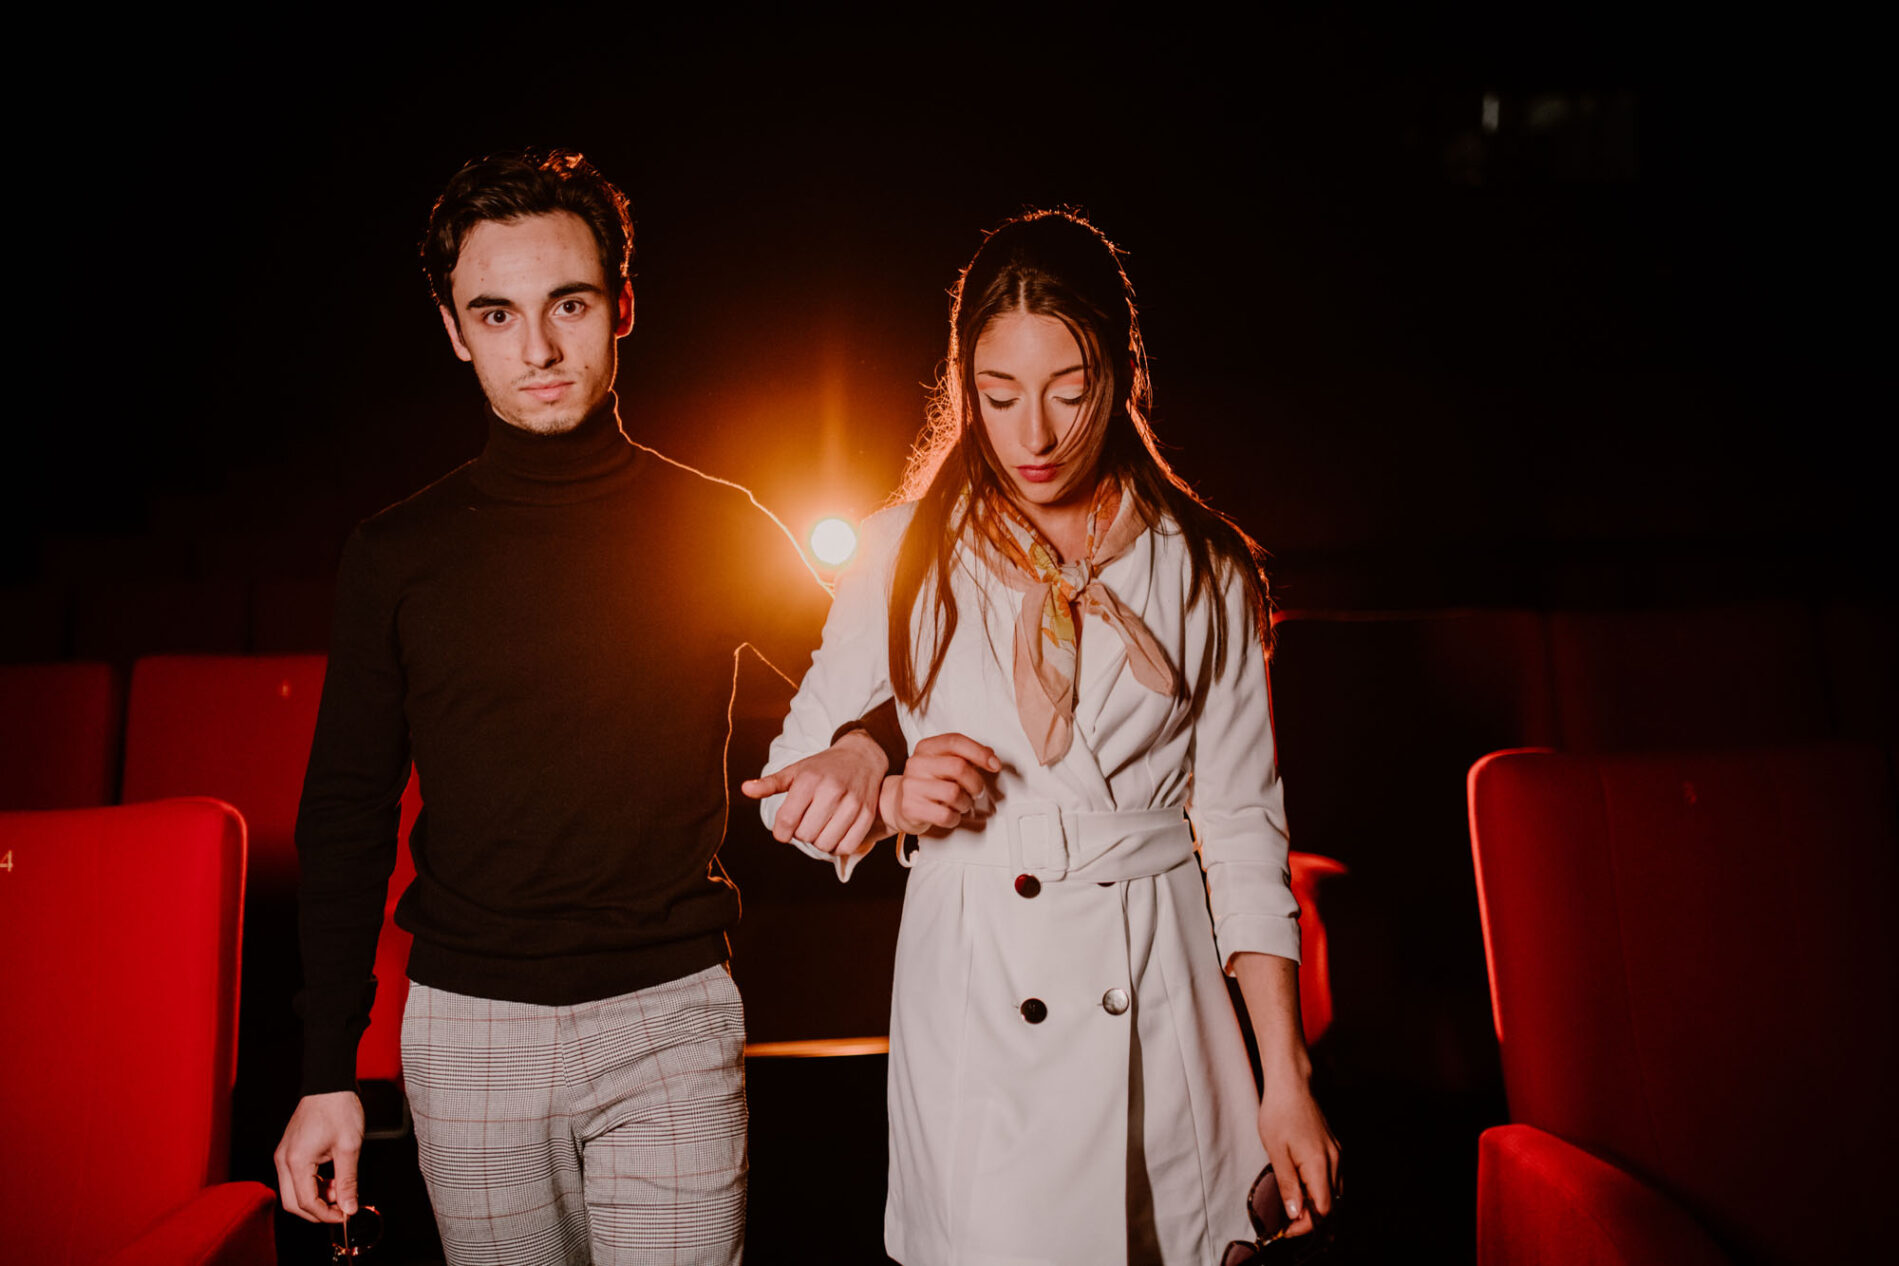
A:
{"points": [[1041, 838]]}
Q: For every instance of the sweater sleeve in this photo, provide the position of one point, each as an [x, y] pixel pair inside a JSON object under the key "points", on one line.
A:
{"points": [[1237, 806], [347, 819], [849, 675]]}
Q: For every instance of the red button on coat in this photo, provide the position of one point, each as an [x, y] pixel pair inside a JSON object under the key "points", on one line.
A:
{"points": [[1027, 885]]}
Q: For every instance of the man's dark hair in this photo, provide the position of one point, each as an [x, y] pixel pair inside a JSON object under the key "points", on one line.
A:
{"points": [[513, 186]]}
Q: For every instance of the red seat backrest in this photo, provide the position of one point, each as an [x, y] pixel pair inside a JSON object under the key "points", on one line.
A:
{"points": [[1693, 973], [237, 727], [59, 735], [119, 928]]}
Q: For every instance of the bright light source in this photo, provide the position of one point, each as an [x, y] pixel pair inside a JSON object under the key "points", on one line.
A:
{"points": [[833, 541]]}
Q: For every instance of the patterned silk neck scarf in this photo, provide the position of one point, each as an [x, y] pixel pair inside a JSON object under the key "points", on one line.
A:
{"points": [[1047, 633]]}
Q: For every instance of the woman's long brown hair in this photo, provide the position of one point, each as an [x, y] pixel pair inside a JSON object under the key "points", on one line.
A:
{"points": [[1054, 264]]}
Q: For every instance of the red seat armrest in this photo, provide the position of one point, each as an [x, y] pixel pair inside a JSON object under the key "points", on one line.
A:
{"points": [[225, 1225], [1545, 1202]]}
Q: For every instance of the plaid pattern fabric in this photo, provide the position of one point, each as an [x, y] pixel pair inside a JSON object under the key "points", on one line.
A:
{"points": [[610, 1133]]}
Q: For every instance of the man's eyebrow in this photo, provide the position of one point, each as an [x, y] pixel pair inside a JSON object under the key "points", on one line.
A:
{"points": [[558, 292]]}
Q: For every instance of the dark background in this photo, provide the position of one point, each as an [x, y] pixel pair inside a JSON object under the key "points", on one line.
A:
{"points": [[1621, 351], [1610, 353]]}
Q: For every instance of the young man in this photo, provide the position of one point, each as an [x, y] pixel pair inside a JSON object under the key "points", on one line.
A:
{"points": [[548, 633]]}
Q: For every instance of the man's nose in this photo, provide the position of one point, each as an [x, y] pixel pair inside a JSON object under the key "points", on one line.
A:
{"points": [[542, 348]]}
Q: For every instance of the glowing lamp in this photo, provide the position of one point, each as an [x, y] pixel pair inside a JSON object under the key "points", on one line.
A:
{"points": [[833, 541]]}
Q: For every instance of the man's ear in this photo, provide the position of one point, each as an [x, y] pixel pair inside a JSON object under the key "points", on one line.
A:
{"points": [[454, 333], [624, 324]]}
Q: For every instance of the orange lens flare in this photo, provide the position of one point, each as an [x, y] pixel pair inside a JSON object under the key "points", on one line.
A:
{"points": [[833, 541]]}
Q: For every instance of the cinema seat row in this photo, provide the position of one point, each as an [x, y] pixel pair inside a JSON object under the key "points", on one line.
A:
{"points": [[1379, 719], [814, 958]]}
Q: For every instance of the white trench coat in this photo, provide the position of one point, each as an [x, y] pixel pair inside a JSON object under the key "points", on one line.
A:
{"points": [[1068, 1083]]}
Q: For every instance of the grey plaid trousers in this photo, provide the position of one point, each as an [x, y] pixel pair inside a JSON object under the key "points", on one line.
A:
{"points": [[612, 1132]]}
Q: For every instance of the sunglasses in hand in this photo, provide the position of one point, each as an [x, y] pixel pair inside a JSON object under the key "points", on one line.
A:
{"points": [[355, 1235], [1268, 1214], [1267, 1211]]}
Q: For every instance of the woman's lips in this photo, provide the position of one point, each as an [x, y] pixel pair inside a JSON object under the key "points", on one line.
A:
{"points": [[1039, 474]]}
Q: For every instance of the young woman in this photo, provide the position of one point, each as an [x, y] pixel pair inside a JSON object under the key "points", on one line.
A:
{"points": [[1074, 644]]}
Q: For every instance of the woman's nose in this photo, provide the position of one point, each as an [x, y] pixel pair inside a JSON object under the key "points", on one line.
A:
{"points": [[1038, 432]]}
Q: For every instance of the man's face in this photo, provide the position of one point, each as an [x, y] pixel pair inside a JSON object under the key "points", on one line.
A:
{"points": [[536, 319]]}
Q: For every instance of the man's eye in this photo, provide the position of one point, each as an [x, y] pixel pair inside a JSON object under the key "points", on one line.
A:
{"points": [[494, 316], [569, 307]]}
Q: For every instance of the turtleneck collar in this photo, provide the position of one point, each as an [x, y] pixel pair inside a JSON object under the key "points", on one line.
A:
{"points": [[573, 465]]}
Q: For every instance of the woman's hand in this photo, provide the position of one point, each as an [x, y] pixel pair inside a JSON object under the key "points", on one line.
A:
{"points": [[1300, 1145], [938, 786], [1298, 1141]]}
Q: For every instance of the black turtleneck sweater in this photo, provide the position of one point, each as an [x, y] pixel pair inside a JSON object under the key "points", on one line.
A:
{"points": [[548, 632]]}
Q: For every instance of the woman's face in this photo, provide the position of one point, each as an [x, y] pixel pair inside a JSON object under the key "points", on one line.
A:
{"points": [[1034, 397]]}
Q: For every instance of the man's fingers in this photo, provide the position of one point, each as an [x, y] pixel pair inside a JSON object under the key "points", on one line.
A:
{"points": [[818, 814], [959, 745], [343, 1188], [845, 827], [784, 823], [769, 784], [309, 1189], [286, 1183]]}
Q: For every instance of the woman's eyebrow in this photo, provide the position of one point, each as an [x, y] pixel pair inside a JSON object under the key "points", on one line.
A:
{"points": [[1060, 373]]}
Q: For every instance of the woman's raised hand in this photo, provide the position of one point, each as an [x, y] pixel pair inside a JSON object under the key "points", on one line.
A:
{"points": [[938, 786]]}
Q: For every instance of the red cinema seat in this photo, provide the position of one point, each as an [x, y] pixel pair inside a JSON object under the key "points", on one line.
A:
{"points": [[1309, 871], [59, 735], [1693, 977], [120, 929], [233, 726], [239, 727]]}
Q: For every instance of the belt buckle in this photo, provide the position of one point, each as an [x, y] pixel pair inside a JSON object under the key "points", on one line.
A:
{"points": [[1038, 839]]}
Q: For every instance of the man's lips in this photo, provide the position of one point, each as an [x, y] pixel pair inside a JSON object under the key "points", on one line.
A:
{"points": [[1039, 474], [547, 391]]}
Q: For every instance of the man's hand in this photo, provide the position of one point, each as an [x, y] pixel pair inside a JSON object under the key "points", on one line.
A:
{"points": [[938, 786], [831, 798], [323, 1128]]}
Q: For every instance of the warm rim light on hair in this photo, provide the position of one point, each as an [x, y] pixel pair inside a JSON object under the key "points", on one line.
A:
{"points": [[833, 541]]}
